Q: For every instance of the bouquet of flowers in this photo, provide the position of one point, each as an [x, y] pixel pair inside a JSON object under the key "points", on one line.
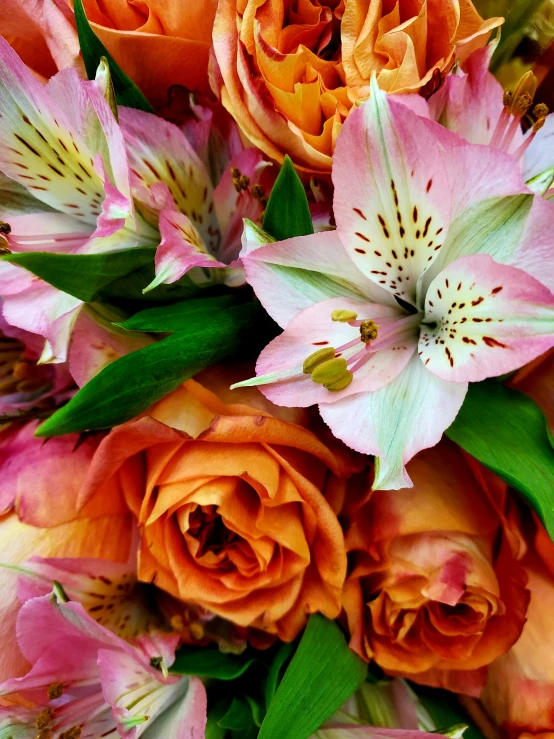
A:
{"points": [[276, 369]]}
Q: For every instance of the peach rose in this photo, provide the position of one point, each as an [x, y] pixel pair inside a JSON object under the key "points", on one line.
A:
{"points": [[231, 507], [158, 43], [436, 592], [289, 73], [519, 693], [39, 484], [43, 34]]}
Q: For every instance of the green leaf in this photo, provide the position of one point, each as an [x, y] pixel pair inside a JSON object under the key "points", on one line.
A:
{"points": [[175, 317], [506, 431], [238, 717], [445, 711], [210, 662], [276, 670], [83, 275], [215, 713], [288, 213], [323, 673], [132, 383], [92, 49]]}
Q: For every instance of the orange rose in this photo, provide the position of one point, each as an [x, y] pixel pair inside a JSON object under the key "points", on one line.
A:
{"points": [[158, 43], [43, 34], [519, 693], [537, 380], [290, 72], [231, 509], [436, 592]]}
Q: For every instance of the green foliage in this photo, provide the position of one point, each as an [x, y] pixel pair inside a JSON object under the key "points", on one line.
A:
{"points": [[507, 432], [92, 49], [128, 386], [84, 276], [288, 213], [323, 673], [211, 662]]}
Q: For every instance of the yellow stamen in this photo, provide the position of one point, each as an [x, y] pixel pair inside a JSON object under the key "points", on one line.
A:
{"points": [[197, 630], [315, 359], [369, 331], [540, 110], [333, 374], [343, 315]]}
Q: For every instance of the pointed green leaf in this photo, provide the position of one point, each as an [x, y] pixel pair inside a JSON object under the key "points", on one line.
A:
{"points": [[92, 49], [175, 317], [507, 432], [210, 662], [323, 673], [83, 275], [128, 386], [288, 213]]}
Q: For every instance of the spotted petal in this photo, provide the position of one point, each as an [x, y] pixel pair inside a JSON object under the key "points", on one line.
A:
{"points": [[397, 421], [158, 151], [41, 148], [483, 319], [392, 196]]}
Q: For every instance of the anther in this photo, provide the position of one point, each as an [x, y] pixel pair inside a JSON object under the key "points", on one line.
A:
{"points": [[317, 358], [521, 99], [5, 228], [73, 733], [369, 331], [55, 690], [344, 316], [44, 718], [333, 374], [244, 182], [540, 110], [257, 192], [235, 173]]}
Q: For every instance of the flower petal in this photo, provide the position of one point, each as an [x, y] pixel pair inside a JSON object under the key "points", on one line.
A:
{"points": [[290, 276], [159, 152], [314, 329], [392, 194], [483, 319], [397, 421]]}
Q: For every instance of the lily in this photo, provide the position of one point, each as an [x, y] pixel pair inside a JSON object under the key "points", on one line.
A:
{"points": [[64, 179], [438, 275], [86, 682]]}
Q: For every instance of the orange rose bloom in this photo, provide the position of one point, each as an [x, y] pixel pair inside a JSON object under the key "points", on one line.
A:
{"points": [[158, 43], [519, 693], [231, 509], [290, 72], [436, 592]]}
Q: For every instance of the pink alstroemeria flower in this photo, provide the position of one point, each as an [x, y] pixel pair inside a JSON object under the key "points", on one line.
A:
{"points": [[430, 281], [200, 226], [473, 104], [86, 682], [64, 188]]}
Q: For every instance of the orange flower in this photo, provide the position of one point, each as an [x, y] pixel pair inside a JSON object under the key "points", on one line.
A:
{"points": [[436, 592], [158, 43], [231, 509], [537, 380], [519, 693], [41, 481], [43, 34], [290, 72]]}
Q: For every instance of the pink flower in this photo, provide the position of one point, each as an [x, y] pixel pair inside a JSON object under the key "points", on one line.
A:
{"points": [[65, 187], [87, 682], [437, 275]]}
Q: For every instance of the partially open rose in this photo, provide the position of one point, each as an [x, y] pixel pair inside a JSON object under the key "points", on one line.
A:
{"points": [[289, 72], [231, 509], [158, 43], [436, 592]]}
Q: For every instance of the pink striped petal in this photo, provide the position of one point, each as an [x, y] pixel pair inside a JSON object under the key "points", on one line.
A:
{"points": [[392, 194], [483, 319]]}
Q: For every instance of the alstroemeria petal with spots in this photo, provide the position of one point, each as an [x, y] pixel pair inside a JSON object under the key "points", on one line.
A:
{"points": [[483, 319], [392, 195]]}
